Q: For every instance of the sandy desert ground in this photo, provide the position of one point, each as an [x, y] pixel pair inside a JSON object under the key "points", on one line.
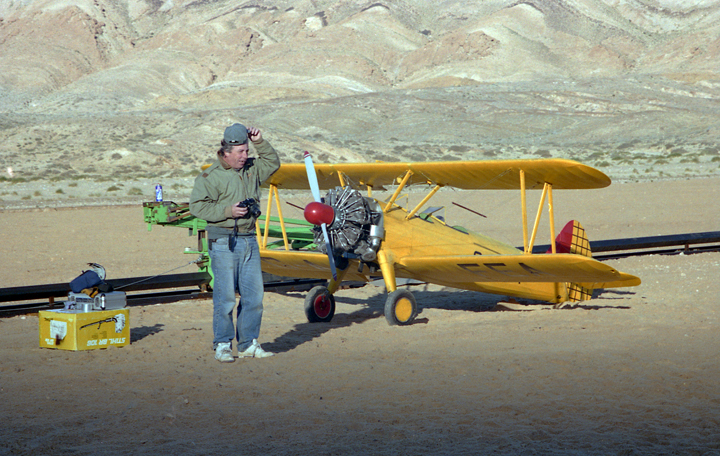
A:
{"points": [[102, 99], [632, 371]]}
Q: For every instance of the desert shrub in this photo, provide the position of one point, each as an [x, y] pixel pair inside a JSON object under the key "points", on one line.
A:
{"points": [[387, 158], [13, 180], [690, 160]]}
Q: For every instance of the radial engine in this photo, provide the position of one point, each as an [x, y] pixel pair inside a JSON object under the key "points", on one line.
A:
{"points": [[357, 227]]}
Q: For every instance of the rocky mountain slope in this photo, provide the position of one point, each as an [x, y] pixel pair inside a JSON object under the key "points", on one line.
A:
{"points": [[106, 92]]}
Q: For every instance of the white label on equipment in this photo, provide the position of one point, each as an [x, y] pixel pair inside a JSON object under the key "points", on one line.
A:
{"points": [[58, 329]]}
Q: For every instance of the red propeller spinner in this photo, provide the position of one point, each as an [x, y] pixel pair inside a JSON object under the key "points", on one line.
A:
{"points": [[319, 213]]}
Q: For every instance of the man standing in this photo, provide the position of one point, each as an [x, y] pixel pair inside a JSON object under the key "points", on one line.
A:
{"points": [[227, 196]]}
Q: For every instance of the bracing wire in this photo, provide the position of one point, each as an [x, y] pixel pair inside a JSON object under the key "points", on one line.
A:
{"points": [[158, 275]]}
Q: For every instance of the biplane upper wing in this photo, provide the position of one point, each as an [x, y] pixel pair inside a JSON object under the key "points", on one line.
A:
{"points": [[515, 268], [473, 175]]}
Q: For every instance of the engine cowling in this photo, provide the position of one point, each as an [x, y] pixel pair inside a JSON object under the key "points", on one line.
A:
{"points": [[357, 226]]}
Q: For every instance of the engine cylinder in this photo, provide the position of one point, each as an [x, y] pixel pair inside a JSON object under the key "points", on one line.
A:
{"points": [[356, 227]]}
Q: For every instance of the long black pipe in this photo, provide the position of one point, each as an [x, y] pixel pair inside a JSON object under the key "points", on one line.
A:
{"points": [[649, 242], [55, 290]]}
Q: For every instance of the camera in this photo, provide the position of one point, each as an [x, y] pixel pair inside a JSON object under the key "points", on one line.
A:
{"points": [[252, 206]]}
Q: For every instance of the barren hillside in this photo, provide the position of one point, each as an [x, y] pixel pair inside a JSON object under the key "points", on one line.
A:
{"points": [[106, 94]]}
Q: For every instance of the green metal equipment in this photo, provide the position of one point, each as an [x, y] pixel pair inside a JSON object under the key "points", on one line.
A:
{"points": [[167, 213]]}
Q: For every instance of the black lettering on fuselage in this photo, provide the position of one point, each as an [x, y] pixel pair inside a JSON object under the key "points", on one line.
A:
{"points": [[490, 270], [530, 269]]}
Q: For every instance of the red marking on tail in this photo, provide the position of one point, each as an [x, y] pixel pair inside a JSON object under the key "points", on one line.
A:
{"points": [[572, 239], [563, 241]]}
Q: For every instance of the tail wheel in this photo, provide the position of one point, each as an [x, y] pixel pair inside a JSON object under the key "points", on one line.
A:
{"points": [[319, 305], [400, 308]]}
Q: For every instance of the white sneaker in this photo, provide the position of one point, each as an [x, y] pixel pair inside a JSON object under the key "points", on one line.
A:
{"points": [[255, 351], [223, 352]]}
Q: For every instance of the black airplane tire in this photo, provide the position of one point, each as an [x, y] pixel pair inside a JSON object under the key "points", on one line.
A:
{"points": [[319, 305], [400, 308]]}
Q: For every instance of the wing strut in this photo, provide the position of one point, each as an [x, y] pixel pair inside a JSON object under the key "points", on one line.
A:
{"points": [[523, 206], [399, 189], [547, 192], [537, 218], [551, 213], [422, 203]]}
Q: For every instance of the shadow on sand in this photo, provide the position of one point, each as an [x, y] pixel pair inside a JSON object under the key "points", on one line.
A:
{"points": [[142, 332], [446, 299]]}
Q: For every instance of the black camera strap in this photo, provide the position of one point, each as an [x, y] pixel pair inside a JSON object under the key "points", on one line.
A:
{"points": [[232, 239]]}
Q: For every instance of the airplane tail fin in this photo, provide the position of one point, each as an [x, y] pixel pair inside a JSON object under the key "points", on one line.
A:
{"points": [[572, 239]]}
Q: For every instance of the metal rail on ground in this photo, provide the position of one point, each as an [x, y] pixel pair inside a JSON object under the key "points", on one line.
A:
{"points": [[176, 288], [652, 245]]}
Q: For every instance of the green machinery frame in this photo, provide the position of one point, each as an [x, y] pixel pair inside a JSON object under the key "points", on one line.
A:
{"points": [[167, 213]]}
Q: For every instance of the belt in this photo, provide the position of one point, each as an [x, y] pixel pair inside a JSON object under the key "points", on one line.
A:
{"points": [[230, 238], [229, 235], [241, 234]]}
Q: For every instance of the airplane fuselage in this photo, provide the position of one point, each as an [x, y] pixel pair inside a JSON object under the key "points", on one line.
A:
{"points": [[429, 236]]}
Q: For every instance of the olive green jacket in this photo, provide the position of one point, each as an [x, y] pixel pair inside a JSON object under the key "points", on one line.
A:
{"points": [[220, 187]]}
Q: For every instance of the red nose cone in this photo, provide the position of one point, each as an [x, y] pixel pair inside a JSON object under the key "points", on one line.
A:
{"points": [[319, 213]]}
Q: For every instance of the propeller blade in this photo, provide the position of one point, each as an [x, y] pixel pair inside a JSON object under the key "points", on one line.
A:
{"points": [[315, 189], [312, 176], [331, 258]]}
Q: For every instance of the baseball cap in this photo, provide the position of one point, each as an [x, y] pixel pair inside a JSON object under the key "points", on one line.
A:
{"points": [[236, 134]]}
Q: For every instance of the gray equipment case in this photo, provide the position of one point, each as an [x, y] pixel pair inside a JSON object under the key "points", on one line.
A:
{"points": [[102, 301]]}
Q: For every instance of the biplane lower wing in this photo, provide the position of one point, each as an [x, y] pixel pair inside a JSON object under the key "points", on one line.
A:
{"points": [[464, 269], [515, 268], [301, 264]]}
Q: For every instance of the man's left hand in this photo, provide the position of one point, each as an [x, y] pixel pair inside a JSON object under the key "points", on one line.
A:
{"points": [[254, 134]]}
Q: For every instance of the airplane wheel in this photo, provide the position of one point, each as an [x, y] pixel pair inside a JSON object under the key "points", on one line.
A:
{"points": [[319, 305], [400, 308]]}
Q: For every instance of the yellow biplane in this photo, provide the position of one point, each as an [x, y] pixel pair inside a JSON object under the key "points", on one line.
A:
{"points": [[360, 238]]}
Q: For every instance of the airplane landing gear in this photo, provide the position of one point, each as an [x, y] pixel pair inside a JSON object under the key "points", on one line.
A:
{"points": [[319, 305], [400, 308]]}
